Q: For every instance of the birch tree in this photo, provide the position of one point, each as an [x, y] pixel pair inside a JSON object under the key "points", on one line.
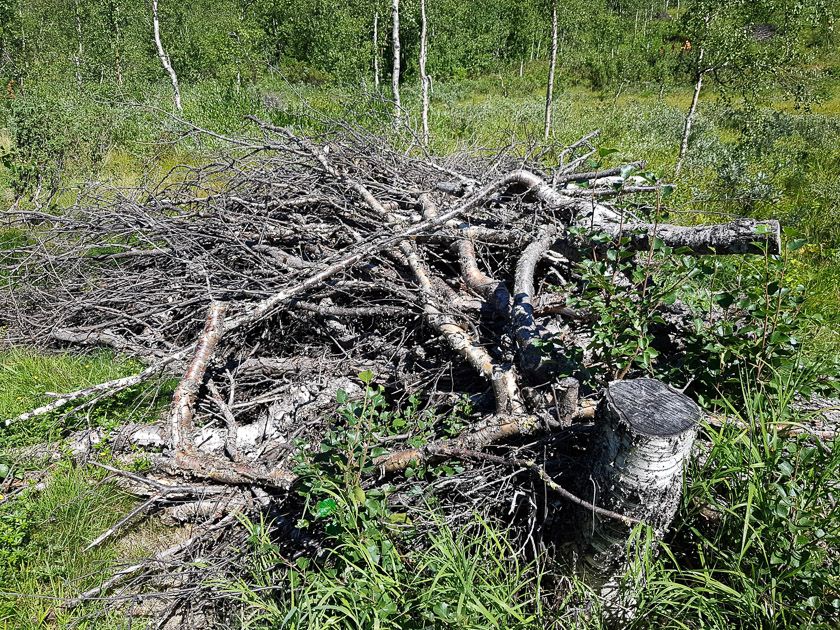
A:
{"points": [[376, 51], [164, 58], [77, 58], [395, 76], [549, 93], [692, 110], [424, 78]]}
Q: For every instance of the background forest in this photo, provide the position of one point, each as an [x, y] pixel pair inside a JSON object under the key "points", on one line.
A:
{"points": [[85, 98]]}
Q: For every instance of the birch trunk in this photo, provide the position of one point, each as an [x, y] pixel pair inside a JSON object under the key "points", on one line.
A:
{"points": [[376, 51], [164, 58], [644, 432], [116, 22], [395, 77], [424, 78], [77, 60], [549, 95], [689, 119]]}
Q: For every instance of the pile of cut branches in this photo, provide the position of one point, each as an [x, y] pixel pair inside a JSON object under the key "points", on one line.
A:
{"points": [[270, 278]]}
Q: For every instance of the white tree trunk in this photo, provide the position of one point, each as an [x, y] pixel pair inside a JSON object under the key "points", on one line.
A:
{"points": [[164, 58], [549, 94], [424, 78], [376, 51], [116, 20], [395, 77], [79, 49], [689, 119], [644, 432]]}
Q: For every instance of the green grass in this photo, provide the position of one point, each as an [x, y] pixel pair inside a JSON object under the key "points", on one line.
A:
{"points": [[757, 541], [27, 377], [468, 578], [42, 539]]}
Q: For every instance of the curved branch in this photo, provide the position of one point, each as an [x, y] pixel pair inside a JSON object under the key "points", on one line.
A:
{"points": [[524, 325]]}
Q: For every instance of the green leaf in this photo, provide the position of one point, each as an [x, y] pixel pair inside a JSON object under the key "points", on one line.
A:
{"points": [[341, 397], [366, 377], [605, 151], [358, 495], [325, 508], [795, 244]]}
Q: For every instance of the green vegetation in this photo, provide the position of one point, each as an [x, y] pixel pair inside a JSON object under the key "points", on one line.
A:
{"points": [[43, 534], [755, 545], [27, 377]]}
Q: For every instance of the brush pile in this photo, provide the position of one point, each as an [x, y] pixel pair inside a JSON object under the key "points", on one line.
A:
{"points": [[271, 278]]}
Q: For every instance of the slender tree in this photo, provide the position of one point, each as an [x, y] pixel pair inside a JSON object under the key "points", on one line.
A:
{"points": [[395, 76], [115, 22], [549, 93], [77, 58], [424, 78], [376, 51], [692, 110], [164, 58]]}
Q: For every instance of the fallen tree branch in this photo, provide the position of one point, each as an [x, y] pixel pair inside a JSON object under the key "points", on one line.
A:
{"points": [[183, 401]]}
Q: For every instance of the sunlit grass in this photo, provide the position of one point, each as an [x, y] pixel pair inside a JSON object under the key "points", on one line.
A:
{"points": [[43, 535], [28, 377]]}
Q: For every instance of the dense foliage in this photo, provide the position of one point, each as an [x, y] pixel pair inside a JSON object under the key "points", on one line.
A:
{"points": [[110, 41]]}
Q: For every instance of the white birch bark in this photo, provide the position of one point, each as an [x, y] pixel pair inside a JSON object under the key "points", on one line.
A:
{"points": [[395, 77], [376, 51], [116, 21], [424, 78], [164, 58], [77, 60], [689, 119], [549, 94]]}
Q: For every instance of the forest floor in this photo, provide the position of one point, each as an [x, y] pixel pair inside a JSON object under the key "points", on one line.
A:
{"points": [[783, 164]]}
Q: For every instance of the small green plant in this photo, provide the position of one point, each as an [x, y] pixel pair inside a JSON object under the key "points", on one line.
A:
{"points": [[734, 315]]}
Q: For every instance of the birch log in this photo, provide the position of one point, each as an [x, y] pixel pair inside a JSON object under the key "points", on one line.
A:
{"points": [[183, 401], [164, 58]]}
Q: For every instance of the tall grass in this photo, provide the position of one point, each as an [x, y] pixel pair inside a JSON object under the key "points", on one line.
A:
{"points": [[461, 578]]}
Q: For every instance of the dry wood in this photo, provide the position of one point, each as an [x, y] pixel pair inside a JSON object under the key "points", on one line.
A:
{"points": [[337, 254], [183, 401]]}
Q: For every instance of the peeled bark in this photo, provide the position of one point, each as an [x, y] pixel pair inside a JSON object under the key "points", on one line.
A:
{"points": [[522, 320], [164, 58], [183, 402]]}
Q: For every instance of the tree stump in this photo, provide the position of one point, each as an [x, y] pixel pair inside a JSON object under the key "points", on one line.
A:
{"points": [[643, 436]]}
